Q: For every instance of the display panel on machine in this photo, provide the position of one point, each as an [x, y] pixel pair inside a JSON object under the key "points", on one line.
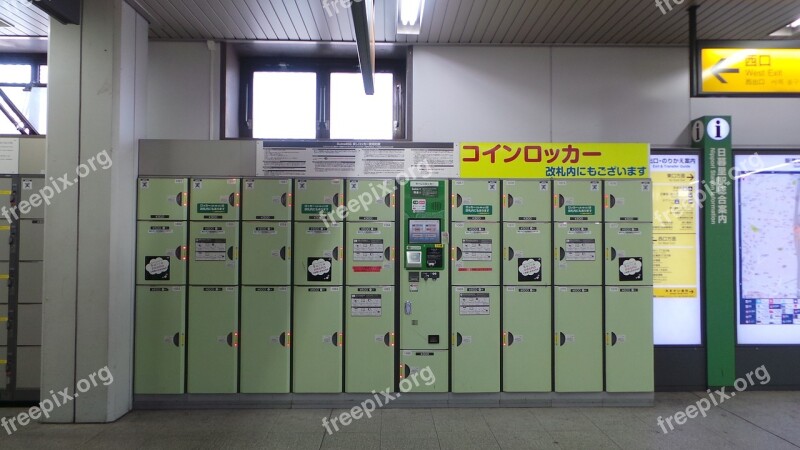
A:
{"points": [[424, 231]]}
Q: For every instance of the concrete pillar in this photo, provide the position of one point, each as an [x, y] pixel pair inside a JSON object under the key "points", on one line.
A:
{"points": [[96, 98]]}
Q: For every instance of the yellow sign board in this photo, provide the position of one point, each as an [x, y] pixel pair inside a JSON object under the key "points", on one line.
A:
{"points": [[561, 160], [675, 226], [750, 70]]}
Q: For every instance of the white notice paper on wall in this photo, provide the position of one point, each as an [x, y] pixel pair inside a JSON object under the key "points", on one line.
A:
{"points": [[9, 155]]}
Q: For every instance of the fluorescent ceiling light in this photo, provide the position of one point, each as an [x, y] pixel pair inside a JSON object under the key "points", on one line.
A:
{"points": [[789, 30], [409, 16]]}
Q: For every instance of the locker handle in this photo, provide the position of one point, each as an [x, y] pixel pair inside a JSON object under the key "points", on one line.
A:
{"points": [[388, 253], [611, 201], [459, 199], [336, 339], [231, 255], [178, 251], [388, 339], [510, 201], [613, 338], [561, 254], [559, 200], [282, 339], [388, 200], [407, 308], [510, 254], [179, 199], [283, 253], [336, 199], [510, 338], [459, 339], [283, 199], [459, 253], [229, 339], [176, 340], [231, 200], [335, 253], [405, 371], [613, 254], [562, 339]]}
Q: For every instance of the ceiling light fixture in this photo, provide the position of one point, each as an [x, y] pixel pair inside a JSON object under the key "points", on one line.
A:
{"points": [[409, 16], [789, 30]]}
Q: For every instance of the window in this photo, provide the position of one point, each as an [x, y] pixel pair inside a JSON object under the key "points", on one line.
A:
{"points": [[23, 94], [284, 105], [320, 99]]}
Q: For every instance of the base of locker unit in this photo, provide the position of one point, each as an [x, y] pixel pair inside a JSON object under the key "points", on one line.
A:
{"points": [[424, 371], [404, 400]]}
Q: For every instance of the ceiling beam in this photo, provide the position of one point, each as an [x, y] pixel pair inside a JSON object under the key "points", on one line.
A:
{"points": [[364, 23], [67, 12]]}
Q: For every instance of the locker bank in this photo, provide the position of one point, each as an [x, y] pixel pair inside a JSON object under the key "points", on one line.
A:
{"points": [[386, 223]]}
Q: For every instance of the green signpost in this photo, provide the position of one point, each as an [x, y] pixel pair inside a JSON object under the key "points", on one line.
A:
{"points": [[713, 136]]}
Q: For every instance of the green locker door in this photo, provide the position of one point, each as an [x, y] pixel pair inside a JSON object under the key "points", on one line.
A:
{"points": [[317, 340], [476, 253], [375, 200], [527, 201], [28, 187], [628, 201], [5, 242], [159, 362], [266, 199], [475, 201], [527, 334], [629, 339], [318, 253], [266, 253], [369, 330], [577, 254], [476, 339], [423, 371], [423, 311], [212, 340], [265, 340], [579, 338], [162, 252], [163, 198], [527, 254], [370, 253], [577, 201], [214, 253], [317, 199], [214, 199], [629, 253]]}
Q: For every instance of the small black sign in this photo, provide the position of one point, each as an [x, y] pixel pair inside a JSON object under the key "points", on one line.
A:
{"points": [[630, 269], [156, 268], [529, 269], [318, 269]]}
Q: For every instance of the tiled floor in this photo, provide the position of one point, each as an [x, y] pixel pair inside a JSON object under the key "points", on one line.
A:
{"points": [[768, 420]]}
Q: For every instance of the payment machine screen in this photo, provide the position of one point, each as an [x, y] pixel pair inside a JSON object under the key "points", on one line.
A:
{"points": [[424, 231]]}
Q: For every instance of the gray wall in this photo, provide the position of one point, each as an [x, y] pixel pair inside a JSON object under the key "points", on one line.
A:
{"points": [[578, 94], [463, 93], [183, 90]]}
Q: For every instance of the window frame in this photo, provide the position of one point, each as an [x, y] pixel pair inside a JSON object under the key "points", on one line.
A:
{"points": [[36, 61], [323, 67]]}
